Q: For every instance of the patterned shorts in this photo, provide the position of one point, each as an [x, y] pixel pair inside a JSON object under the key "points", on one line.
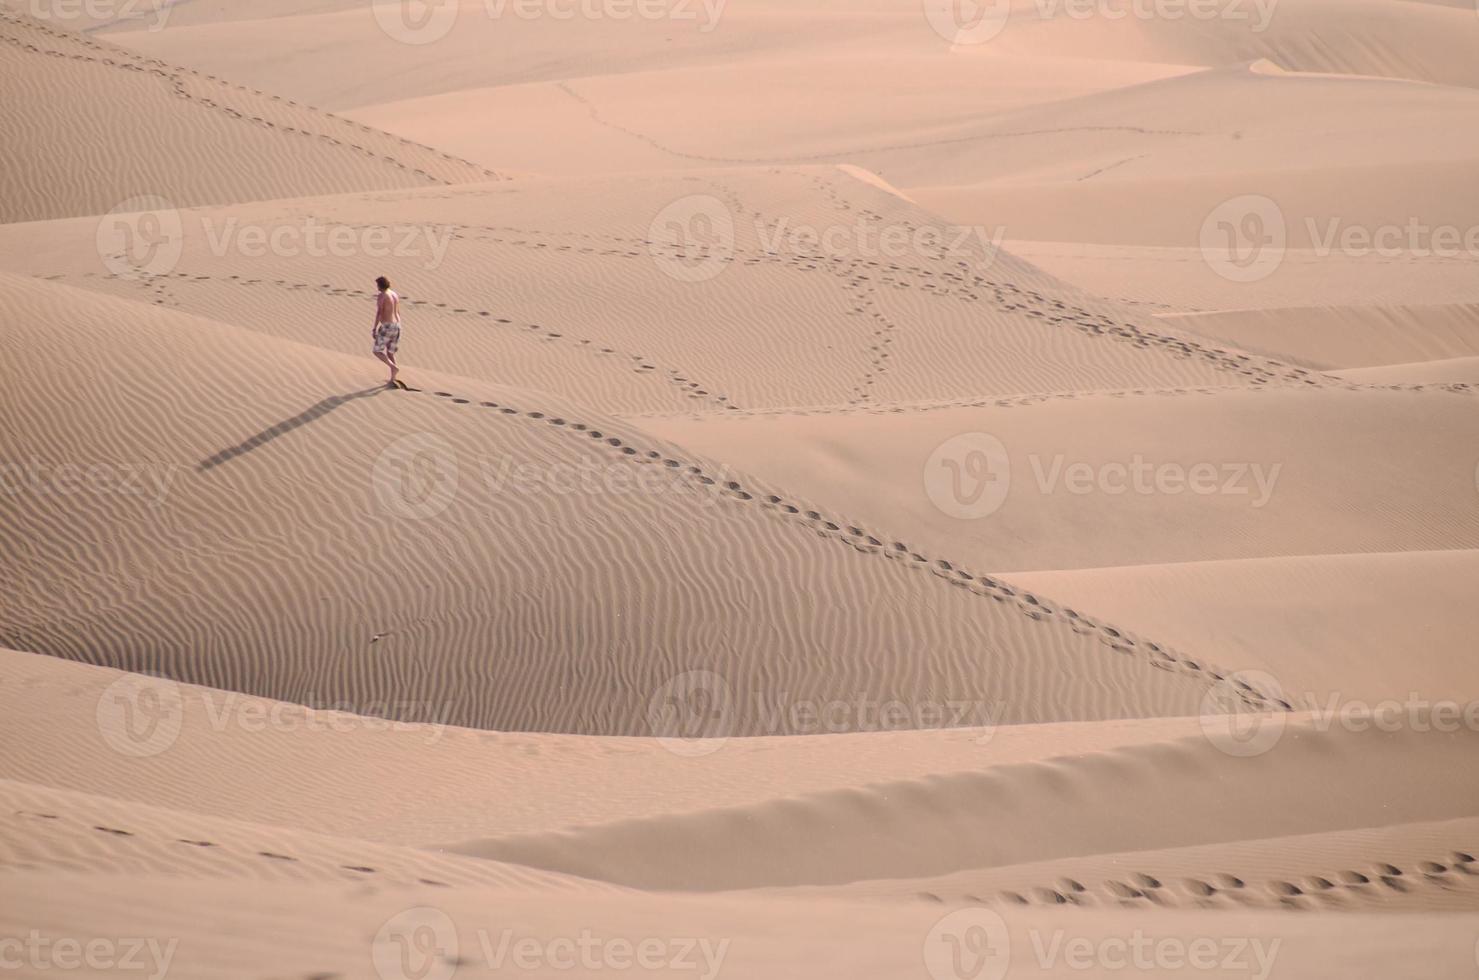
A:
{"points": [[387, 338]]}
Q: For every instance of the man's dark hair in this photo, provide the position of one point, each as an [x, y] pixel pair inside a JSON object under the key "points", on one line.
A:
{"points": [[383, 283]]}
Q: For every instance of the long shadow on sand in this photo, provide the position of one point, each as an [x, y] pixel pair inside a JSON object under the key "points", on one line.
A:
{"points": [[312, 414]]}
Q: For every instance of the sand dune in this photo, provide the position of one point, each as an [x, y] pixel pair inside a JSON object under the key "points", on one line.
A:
{"points": [[1331, 871], [1049, 482], [332, 766], [162, 133], [872, 499], [1167, 282], [1382, 864], [1324, 625], [1192, 142], [774, 939], [1453, 370], [527, 496], [1365, 38], [1014, 814], [67, 831], [1345, 336], [898, 304]]}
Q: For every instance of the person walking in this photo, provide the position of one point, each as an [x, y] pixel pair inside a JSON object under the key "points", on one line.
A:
{"points": [[387, 331]]}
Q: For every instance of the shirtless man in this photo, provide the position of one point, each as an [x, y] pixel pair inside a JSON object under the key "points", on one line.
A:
{"points": [[387, 331]]}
